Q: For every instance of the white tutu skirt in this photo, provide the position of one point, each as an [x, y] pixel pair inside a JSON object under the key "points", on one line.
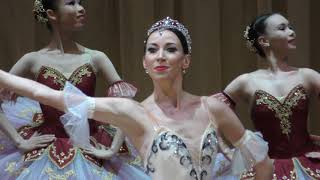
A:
{"points": [[13, 166]]}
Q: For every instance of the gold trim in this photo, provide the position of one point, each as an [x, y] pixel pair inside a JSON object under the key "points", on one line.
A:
{"points": [[283, 111], [75, 151]]}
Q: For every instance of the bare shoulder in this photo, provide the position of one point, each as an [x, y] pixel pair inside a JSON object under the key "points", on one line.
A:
{"points": [[237, 88], [240, 80], [25, 64], [308, 72], [147, 101], [216, 106], [99, 56], [30, 57]]}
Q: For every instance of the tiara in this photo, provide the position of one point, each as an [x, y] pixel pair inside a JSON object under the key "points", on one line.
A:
{"points": [[249, 42], [38, 10], [168, 23]]}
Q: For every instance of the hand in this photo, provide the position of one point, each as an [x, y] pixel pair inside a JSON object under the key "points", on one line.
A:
{"points": [[7, 95], [35, 141], [100, 151]]}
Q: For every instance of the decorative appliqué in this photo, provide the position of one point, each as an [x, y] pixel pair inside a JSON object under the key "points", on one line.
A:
{"points": [[60, 79], [55, 176], [169, 141], [283, 111]]}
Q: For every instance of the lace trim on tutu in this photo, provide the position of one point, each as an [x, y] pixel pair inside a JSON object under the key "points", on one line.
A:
{"points": [[79, 108], [250, 150], [121, 89]]}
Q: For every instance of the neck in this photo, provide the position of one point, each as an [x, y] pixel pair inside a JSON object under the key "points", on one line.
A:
{"points": [[64, 42], [169, 92], [277, 62]]}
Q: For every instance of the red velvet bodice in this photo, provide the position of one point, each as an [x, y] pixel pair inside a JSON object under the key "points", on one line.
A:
{"points": [[283, 123]]}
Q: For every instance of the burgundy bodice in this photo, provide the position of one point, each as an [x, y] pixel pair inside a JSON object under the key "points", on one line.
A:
{"points": [[283, 123], [83, 78], [61, 151]]}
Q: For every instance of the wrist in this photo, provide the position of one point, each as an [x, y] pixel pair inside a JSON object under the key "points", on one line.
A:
{"points": [[113, 149], [18, 141]]}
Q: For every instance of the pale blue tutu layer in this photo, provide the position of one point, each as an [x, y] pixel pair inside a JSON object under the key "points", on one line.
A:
{"points": [[78, 169]]}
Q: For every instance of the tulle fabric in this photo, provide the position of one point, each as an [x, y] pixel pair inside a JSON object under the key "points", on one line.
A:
{"points": [[222, 169], [20, 112], [129, 166], [79, 169], [79, 108], [250, 150], [121, 89]]}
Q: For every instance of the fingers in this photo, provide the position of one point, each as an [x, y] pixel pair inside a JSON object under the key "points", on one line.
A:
{"points": [[38, 135], [40, 145], [13, 97], [88, 151], [37, 139], [40, 141], [101, 146], [7, 95]]}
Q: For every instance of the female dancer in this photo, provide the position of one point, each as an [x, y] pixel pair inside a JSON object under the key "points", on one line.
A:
{"points": [[175, 132], [279, 99], [60, 61]]}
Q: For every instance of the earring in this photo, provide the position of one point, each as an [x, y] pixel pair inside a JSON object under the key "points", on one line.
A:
{"points": [[184, 71], [146, 71]]}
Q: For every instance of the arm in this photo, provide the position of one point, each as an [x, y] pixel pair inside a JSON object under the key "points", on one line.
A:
{"points": [[237, 88], [9, 130], [32, 89], [118, 110], [105, 67], [231, 127], [21, 68], [313, 80], [116, 89], [24, 65], [25, 145]]}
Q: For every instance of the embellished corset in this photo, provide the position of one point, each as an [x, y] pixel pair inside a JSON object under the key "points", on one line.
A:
{"points": [[283, 123], [83, 78], [61, 152], [170, 158]]}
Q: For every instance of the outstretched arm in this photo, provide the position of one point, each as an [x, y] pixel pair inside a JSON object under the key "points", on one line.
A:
{"points": [[231, 127], [32, 89], [124, 113]]}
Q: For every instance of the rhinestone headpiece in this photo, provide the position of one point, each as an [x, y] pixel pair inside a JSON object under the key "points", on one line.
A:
{"points": [[39, 11], [249, 42], [168, 23]]}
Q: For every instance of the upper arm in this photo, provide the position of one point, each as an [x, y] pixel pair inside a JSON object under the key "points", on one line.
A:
{"points": [[236, 89], [227, 121], [104, 66], [23, 66], [124, 113], [312, 77]]}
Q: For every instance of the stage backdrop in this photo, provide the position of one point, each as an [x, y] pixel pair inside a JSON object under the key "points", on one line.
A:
{"points": [[118, 28]]}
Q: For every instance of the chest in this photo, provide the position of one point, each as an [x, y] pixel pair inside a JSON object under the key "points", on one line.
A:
{"points": [[170, 153]]}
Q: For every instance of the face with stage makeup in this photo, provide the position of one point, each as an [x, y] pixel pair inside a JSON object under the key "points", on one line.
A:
{"points": [[70, 15], [165, 57], [270, 32], [67, 15], [279, 33]]}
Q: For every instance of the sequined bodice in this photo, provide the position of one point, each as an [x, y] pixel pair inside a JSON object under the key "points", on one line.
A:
{"points": [[283, 123], [83, 78], [169, 157]]}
